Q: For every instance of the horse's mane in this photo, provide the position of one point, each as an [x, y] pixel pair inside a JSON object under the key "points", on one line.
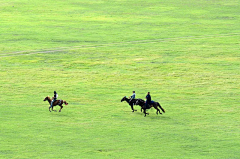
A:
{"points": [[49, 98]]}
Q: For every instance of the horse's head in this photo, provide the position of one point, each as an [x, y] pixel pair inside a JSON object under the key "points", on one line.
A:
{"points": [[124, 98], [47, 98]]}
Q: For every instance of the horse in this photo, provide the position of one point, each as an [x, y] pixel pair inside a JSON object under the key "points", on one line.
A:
{"points": [[57, 102], [131, 103], [152, 104]]}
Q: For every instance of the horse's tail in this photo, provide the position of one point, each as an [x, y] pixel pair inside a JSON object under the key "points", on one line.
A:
{"points": [[65, 102], [160, 107]]}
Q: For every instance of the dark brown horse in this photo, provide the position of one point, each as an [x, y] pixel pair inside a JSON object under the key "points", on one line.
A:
{"points": [[57, 102], [153, 104], [131, 103]]}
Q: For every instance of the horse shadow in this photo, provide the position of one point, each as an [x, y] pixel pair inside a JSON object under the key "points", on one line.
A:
{"points": [[153, 115], [160, 117]]}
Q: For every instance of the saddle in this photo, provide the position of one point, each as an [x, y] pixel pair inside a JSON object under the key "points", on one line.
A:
{"points": [[58, 102], [150, 105], [150, 102]]}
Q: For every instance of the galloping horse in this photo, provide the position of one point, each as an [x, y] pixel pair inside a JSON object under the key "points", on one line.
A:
{"points": [[57, 102], [153, 104], [131, 103]]}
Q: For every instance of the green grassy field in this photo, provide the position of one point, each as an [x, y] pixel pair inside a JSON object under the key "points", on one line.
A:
{"points": [[186, 53]]}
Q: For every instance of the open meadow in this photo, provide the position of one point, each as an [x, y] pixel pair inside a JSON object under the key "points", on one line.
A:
{"points": [[93, 53]]}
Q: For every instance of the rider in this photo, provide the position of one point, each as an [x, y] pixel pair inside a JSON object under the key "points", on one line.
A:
{"points": [[148, 101], [54, 99], [132, 97]]}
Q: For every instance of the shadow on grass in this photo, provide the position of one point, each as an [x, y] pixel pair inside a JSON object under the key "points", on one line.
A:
{"points": [[162, 117], [59, 113], [151, 115]]}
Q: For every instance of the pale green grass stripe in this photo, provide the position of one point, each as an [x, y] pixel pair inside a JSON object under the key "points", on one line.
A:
{"points": [[60, 49]]}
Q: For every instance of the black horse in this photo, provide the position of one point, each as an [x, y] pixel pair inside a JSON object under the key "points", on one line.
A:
{"points": [[153, 104], [131, 103]]}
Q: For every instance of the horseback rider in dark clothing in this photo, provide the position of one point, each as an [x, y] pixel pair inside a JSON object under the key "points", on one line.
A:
{"points": [[148, 101], [54, 98]]}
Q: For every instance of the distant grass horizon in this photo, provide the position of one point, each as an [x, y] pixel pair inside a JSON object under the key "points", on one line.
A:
{"points": [[42, 25]]}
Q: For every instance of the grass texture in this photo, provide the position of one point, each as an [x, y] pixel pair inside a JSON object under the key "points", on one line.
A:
{"points": [[186, 53]]}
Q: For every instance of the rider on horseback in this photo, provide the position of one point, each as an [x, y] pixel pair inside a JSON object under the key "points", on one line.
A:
{"points": [[132, 97], [54, 98], [148, 101]]}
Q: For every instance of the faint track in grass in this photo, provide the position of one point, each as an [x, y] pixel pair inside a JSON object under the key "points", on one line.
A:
{"points": [[62, 49]]}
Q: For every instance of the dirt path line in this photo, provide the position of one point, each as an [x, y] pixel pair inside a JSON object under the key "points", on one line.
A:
{"points": [[61, 49]]}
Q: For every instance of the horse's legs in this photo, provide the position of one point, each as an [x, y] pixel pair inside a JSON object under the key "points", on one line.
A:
{"points": [[52, 108], [155, 106], [144, 111], [158, 111], [60, 108], [132, 108], [49, 108]]}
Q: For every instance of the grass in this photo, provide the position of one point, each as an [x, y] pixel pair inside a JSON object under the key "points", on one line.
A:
{"points": [[94, 53]]}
